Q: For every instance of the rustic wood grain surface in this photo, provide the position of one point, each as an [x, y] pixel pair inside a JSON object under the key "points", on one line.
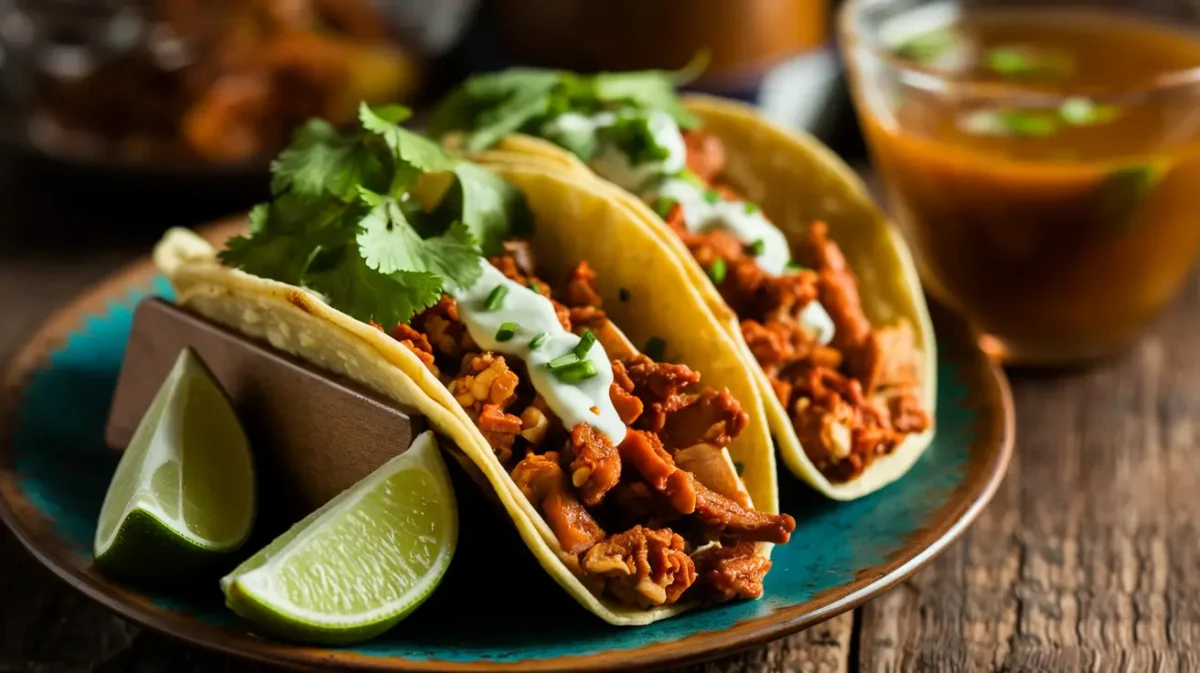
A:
{"points": [[1088, 557]]}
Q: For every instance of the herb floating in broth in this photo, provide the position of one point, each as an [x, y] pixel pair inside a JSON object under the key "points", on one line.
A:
{"points": [[1038, 123], [1083, 112], [1019, 124], [929, 47], [1123, 192], [1025, 62]]}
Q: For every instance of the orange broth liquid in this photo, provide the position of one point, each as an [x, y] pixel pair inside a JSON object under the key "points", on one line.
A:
{"points": [[1062, 224]]}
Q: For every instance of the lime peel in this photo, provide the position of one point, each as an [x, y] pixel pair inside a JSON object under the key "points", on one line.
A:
{"points": [[183, 494], [310, 585]]}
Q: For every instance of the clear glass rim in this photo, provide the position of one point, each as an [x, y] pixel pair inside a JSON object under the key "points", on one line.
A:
{"points": [[914, 76]]}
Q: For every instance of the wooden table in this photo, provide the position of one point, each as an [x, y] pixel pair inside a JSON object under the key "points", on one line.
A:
{"points": [[1088, 557]]}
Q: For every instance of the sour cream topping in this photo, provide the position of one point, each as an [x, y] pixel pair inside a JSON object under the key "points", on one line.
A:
{"points": [[702, 211], [586, 401]]}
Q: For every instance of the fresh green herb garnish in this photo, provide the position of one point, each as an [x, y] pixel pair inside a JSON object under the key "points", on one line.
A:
{"points": [[586, 341], [492, 105], [1122, 193], [1027, 63], [751, 208], [532, 285], [711, 196], [1083, 112], [689, 176], [757, 248], [564, 360], [655, 348], [793, 266], [928, 46], [717, 270], [1011, 123], [495, 298], [663, 206], [631, 133], [343, 219], [539, 339], [624, 294], [576, 371], [507, 331]]}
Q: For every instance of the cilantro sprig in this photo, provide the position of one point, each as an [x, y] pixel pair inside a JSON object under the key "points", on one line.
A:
{"points": [[344, 218], [492, 105]]}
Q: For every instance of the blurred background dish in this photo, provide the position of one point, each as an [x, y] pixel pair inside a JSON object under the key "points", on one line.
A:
{"points": [[208, 86], [1042, 159], [209, 90]]}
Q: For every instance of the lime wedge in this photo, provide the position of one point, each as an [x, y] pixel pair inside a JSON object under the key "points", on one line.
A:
{"points": [[183, 495], [358, 565]]}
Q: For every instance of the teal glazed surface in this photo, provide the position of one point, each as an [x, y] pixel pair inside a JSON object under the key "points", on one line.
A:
{"points": [[63, 468]]}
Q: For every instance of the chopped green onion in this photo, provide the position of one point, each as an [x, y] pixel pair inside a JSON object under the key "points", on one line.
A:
{"points": [[496, 298], [739, 466], [757, 248], [624, 294], [585, 344], [1009, 61], [793, 266], [929, 46], [663, 206], [576, 372], [711, 196], [751, 208], [1011, 123], [689, 176], [532, 285], [1083, 112], [539, 339], [1025, 62], [507, 331], [655, 348], [564, 360], [717, 270]]}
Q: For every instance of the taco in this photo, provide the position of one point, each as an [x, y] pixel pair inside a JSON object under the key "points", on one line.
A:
{"points": [[490, 302], [816, 288]]}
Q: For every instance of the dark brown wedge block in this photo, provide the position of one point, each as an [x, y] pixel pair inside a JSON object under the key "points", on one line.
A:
{"points": [[313, 434]]}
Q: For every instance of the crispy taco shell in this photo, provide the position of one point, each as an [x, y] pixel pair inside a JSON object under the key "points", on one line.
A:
{"points": [[574, 221], [797, 181]]}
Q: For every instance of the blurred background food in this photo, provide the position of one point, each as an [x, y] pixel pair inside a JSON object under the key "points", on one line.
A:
{"points": [[216, 85], [179, 81]]}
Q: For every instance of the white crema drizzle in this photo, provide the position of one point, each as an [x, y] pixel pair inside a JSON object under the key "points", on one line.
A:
{"points": [[573, 403]]}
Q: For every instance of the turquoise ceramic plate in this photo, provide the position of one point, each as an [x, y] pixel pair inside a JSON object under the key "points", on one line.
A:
{"points": [[54, 469]]}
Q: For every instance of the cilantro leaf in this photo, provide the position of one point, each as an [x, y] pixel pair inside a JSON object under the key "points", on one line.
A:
{"points": [[491, 209], [415, 151], [368, 295], [320, 160], [648, 89], [346, 219], [492, 105], [388, 244], [632, 133], [284, 237]]}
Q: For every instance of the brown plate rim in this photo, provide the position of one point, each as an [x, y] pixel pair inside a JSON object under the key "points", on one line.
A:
{"points": [[988, 388]]}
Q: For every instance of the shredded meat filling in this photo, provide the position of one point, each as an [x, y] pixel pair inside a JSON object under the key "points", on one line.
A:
{"points": [[646, 454], [732, 572], [642, 566], [485, 388], [596, 468], [731, 518], [581, 483], [543, 482], [842, 437]]}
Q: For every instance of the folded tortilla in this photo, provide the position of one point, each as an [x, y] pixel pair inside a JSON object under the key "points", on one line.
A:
{"points": [[796, 180], [644, 291]]}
